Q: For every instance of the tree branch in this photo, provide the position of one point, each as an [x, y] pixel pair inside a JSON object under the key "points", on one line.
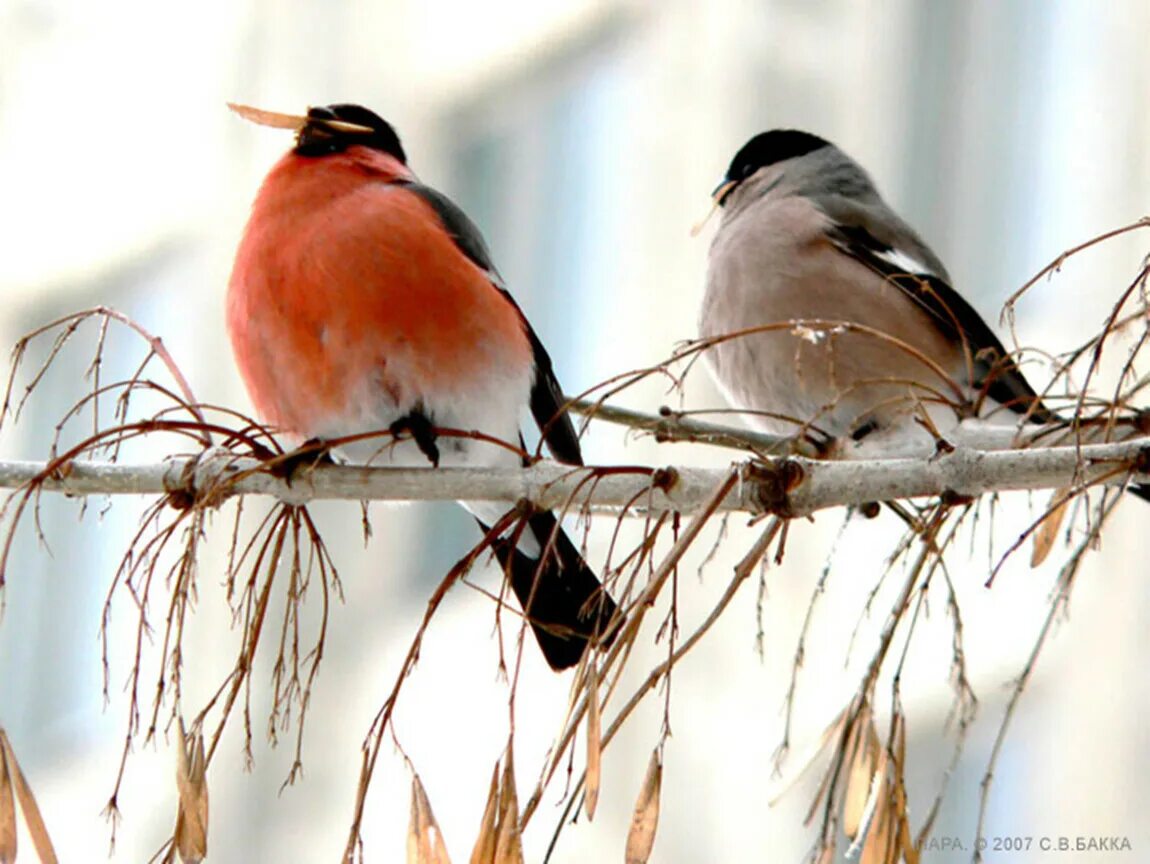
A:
{"points": [[791, 486], [670, 425]]}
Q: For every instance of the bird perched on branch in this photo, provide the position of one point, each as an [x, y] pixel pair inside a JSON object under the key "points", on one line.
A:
{"points": [[858, 337], [362, 300], [883, 337]]}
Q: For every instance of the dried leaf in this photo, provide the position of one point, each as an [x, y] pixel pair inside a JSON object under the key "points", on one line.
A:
{"points": [[484, 851], [862, 759], [268, 118], [191, 835], [910, 852], [698, 227], [875, 815], [645, 819], [1047, 533], [594, 739], [37, 830], [277, 120], [888, 839], [879, 845], [508, 849], [870, 807], [833, 730], [424, 839], [7, 811]]}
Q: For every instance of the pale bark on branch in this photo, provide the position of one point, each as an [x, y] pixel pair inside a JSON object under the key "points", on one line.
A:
{"points": [[810, 485]]}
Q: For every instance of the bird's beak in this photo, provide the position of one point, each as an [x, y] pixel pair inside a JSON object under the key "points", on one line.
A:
{"points": [[717, 197], [295, 122], [722, 190]]}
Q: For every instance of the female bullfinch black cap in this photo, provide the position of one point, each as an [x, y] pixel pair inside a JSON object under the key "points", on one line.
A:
{"points": [[767, 148], [353, 125]]}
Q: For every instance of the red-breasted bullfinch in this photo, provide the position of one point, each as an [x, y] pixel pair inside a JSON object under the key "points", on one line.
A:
{"points": [[363, 300], [805, 236]]}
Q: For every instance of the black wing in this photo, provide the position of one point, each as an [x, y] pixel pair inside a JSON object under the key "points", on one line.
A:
{"points": [[547, 399], [995, 371]]}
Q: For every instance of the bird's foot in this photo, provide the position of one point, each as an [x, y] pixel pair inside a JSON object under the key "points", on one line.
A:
{"points": [[308, 455], [862, 430], [418, 425]]}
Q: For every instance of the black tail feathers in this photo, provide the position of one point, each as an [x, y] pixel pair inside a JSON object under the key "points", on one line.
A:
{"points": [[561, 597]]}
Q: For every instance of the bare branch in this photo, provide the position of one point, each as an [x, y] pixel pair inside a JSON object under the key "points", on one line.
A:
{"points": [[791, 486]]}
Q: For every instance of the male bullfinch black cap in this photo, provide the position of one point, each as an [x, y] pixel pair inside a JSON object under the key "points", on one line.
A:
{"points": [[334, 128], [766, 148]]}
